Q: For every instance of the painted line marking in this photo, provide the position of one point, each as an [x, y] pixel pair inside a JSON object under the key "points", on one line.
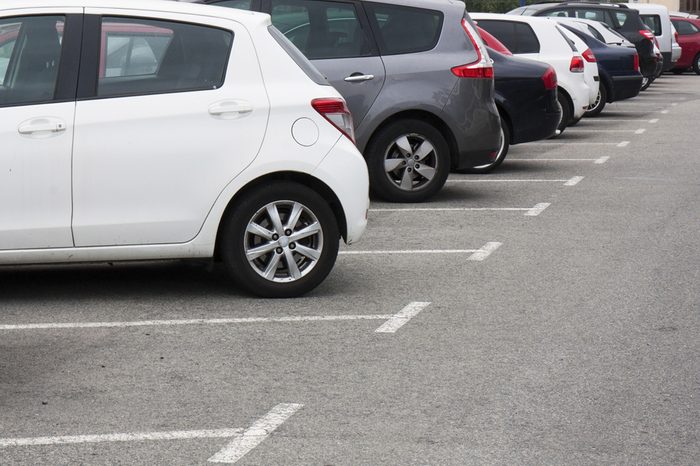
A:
{"points": [[664, 111], [597, 161], [640, 131], [537, 209], [576, 130], [255, 434], [456, 209], [570, 143], [602, 160], [574, 181], [623, 144], [567, 182], [628, 120], [673, 104], [408, 251], [126, 437], [485, 251], [654, 120], [152, 323], [402, 317]]}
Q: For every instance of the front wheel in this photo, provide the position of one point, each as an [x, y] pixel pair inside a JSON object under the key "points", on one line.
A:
{"points": [[280, 240], [408, 161], [599, 104], [500, 155]]}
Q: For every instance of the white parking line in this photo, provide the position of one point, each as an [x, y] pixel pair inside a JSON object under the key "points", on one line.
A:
{"points": [[476, 254], [599, 160], [654, 120], [402, 317], [629, 120], [538, 209], [623, 144], [567, 182], [572, 143], [640, 131], [126, 437], [153, 323], [485, 251], [577, 130], [664, 111], [458, 209], [255, 434]]}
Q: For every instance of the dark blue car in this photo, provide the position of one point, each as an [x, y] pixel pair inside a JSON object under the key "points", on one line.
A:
{"points": [[618, 68]]}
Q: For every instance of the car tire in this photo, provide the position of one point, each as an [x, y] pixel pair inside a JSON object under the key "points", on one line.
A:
{"points": [[599, 105], [565, 112], [500, 155], [646, 82], [408, 161], [257, 254], [696, 64]]}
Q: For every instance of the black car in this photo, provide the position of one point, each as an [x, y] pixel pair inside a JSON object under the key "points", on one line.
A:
{"points": [[624, 20], [526, 97], [618, 68]]}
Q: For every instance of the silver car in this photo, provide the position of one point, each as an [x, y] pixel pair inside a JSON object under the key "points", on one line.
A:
{"points": [[417, 79]]}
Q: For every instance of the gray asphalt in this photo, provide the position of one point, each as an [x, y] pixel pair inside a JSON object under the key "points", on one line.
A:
{"points": [[576, 342]]}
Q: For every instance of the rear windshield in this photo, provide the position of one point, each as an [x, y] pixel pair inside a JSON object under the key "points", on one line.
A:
{"points": [[298, 57], [653, 22], [405, 29], [516, 36]]}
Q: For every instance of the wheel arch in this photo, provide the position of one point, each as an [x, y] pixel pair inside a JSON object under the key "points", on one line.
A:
{"points": [[302, 178], [569, 100]]}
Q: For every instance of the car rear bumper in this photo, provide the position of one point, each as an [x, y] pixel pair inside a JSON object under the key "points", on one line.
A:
{"points": [[625, 87], [539, 122]]}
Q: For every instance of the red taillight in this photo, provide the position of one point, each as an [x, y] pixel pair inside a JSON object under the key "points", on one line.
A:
{"points": [[479, 68], [577, 64], [549, 78], [636, 62], [675, 35], [336, 112], [588, 56], [647, 33]]}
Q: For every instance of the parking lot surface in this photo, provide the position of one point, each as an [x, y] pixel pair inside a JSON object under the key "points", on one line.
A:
{"points": [[546, 313]]}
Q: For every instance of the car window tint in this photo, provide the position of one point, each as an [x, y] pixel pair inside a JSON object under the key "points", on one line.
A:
{"points": [[140, 56], [594, 32], [517, 37], [592, 14], [238, 4], [404, 29], [321, 29], [621, 17], [30, 55], [653, 22], [683, 27]]}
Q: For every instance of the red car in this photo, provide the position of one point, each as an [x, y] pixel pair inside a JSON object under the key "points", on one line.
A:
{"points": [[689, 40]]}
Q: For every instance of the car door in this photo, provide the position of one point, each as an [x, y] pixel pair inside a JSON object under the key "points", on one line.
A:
{"points": [[336, 37], [170, 109], [39, 49]]}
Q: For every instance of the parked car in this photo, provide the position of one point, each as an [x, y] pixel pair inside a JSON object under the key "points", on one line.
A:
{"points": [[526, 97], [416, 76], [657, 19], [157, 131], [689, 40], [618, 67], [620, 17], [543, 40]]}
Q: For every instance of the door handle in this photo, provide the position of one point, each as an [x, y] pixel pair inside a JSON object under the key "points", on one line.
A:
{"points": [[229, 109], [358, 78], [41, 125]]}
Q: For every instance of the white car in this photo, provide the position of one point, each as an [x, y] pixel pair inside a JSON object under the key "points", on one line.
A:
{"points": [[600, 31], [156, 130], [543, 40]]}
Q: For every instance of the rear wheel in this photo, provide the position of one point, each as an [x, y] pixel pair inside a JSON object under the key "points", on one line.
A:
{"points": [[646, 82], [280, 241], [500, 155], [599, 104], [408, 161], [696, 64], [565, 111]]}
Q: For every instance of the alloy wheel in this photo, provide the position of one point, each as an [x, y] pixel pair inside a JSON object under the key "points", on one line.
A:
{"points": [[410, 162], [283, 241]]}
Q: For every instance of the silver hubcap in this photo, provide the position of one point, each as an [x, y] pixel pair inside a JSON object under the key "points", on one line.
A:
{"points": [[596, 103], [410, 162], [283, 241]]}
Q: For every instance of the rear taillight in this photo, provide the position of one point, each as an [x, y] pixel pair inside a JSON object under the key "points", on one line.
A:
{"points": [[479, 68], [577, 64], [675, 35], [636, 62], [588, 56], [549, 78], [336, 112], [647, 34]]}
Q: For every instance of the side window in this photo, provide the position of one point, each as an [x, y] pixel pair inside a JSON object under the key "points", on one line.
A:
{"points": [[594, 32], [592, 14], [684, 28], [405, 29], [653, 22], [239, 4], [320, 29], [517, 37], [141, 56], [30, 55]]}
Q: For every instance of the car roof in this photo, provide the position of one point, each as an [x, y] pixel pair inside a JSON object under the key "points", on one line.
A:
{"points": [[143, 5], [548, 4], [505, 17]]}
